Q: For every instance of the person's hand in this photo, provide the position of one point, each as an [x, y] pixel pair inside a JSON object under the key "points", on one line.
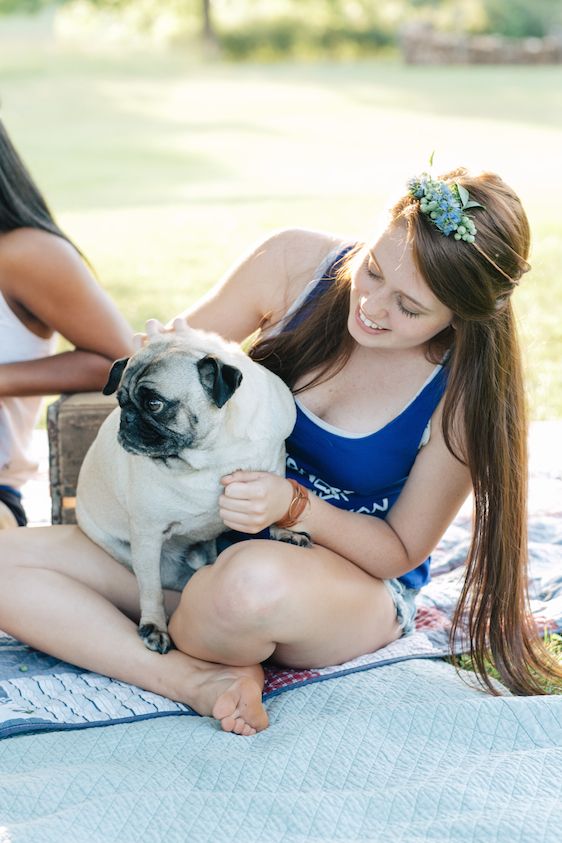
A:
{"points": [[154, 328], [253, 500]]}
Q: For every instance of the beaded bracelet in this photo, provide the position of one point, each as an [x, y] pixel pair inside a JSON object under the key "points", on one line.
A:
{"points": [[296, 507]]}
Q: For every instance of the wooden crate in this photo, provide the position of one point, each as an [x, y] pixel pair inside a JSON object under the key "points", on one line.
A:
{"points": [[72, 423]]}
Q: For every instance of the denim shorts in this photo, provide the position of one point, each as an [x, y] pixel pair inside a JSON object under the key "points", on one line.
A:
{"points": [[404, 600]]}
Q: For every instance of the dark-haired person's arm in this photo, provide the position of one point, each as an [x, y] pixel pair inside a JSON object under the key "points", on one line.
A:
{"points": [[49, 288]]}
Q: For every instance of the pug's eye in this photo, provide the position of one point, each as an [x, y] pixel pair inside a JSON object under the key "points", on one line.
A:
{"points": [[153, 405]]}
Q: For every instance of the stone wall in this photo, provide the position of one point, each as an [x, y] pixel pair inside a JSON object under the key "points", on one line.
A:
{"points": [[422, 44]]}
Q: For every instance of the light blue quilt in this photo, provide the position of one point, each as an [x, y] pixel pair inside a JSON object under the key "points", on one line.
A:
{"points": [[406, 752]]}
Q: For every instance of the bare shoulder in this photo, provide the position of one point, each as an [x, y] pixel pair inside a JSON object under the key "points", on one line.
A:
{"points": [[50, 288], [304, 251], [296, 254], [263, 284], [28, 244], [307, 246], [31, 255]]}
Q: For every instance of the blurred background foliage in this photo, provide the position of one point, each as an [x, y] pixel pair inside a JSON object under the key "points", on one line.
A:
{"points": [[254, 29], [169, 136]]}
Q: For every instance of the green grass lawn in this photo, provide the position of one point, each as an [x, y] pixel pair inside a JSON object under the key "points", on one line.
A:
{"points": [[164, 170]]}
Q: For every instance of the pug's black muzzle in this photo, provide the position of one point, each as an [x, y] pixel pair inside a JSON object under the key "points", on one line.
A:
{"points": [[141, 434]]}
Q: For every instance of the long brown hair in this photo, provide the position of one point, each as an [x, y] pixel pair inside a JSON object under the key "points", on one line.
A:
{"points": [[484, 417]]}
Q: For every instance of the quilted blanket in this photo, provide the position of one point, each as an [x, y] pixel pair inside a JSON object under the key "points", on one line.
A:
{"points": [[406, 752], [39, 693]]}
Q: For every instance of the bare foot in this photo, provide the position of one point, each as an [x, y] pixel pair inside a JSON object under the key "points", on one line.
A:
{"points": [[239, 707], [230, 694]]}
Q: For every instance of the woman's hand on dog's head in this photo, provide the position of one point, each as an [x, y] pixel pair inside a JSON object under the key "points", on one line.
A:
{"points": [[154, 328]]}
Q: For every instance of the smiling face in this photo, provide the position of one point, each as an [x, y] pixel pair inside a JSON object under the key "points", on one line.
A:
{"points": [[391, 306]]}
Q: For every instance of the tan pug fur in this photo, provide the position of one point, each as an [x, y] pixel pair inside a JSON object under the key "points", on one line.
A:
{"points": [[193, 408]]}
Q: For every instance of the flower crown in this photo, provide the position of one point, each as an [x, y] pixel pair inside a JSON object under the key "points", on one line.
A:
{"points": [[445, 206]]}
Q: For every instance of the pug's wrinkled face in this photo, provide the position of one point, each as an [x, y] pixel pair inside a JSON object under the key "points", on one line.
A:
{"points": [[170, 399]]}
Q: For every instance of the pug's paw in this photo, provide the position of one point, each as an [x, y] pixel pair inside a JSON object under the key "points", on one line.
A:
{"points": [[281, 534], [154, 638]]}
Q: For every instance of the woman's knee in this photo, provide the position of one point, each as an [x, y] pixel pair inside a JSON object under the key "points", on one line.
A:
{"points": [[247, 583]]}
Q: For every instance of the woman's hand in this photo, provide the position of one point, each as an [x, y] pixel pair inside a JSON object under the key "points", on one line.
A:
{"points": [[154, 328], [253, 500]]}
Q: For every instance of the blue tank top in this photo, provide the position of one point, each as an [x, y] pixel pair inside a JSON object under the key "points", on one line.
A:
{"points": [[364, 474], [360, 473]]}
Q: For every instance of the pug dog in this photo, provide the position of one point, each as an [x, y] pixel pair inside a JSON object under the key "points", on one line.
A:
{"points": [[192, 408]]}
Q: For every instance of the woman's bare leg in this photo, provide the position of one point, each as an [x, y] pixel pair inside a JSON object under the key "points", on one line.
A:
{"points": [[304, 607], [63, 595], [7, 518]]}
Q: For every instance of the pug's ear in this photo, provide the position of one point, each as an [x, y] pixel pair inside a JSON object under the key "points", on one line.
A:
{"points": [[115, 376], [219, 380]]}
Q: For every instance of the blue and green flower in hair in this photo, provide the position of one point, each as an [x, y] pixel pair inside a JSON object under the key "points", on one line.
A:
{"points": [[445, 204]]}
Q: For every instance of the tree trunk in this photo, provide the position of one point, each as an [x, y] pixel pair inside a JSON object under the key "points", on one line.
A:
{"points": [[208, 32]]}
